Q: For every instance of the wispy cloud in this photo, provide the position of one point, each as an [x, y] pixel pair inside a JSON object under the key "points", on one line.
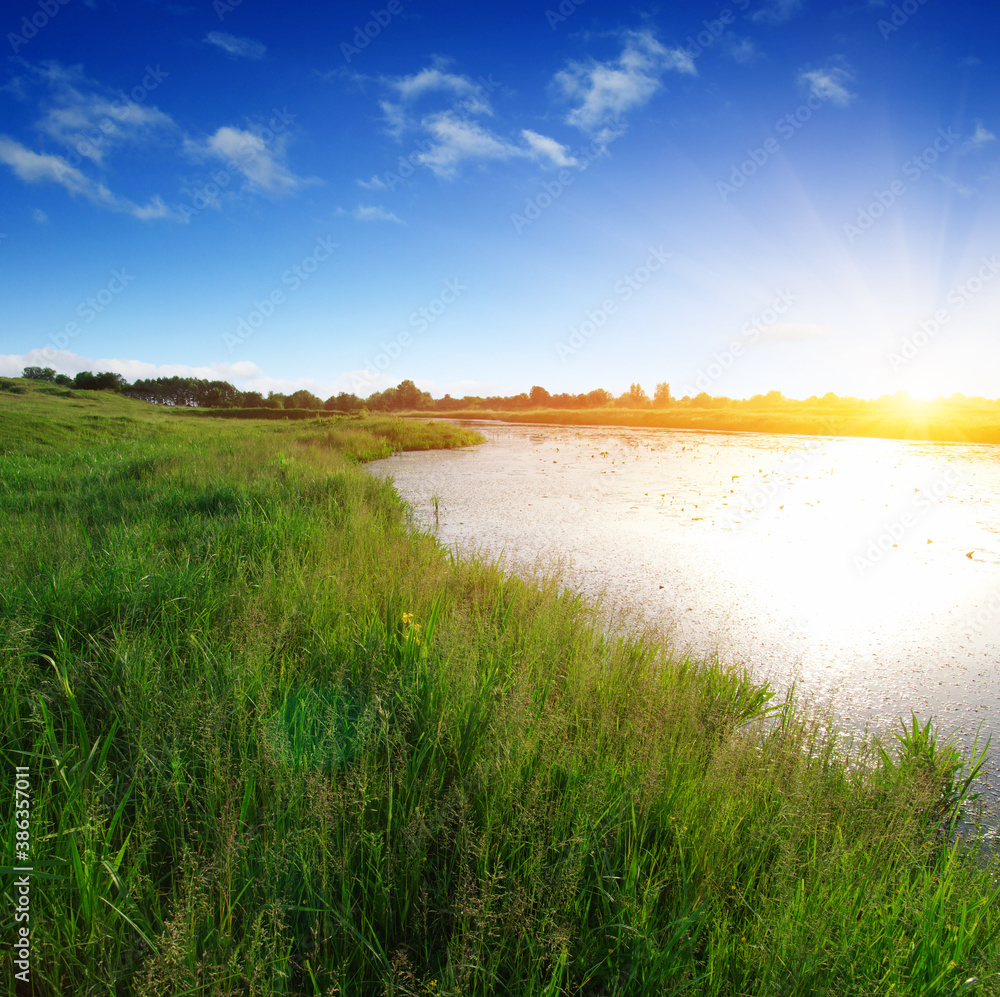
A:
{"points": [[980, 137], [603, 92], [374, 213], [456, 139], [262, 165], [33, 167], [544, 147], [959, 188], [40, 216], [743, 50], [80, 114], [830, 84], [239, 48], [776, 11], [91, 122], [455, 135], [406, 92], [410, 88]]}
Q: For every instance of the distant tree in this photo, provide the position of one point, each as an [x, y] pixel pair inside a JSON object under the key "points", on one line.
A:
{"points": [[538, 396], [409, 396], [63, 380], [449, 404], [251, 399], [381, 401], [599, 397], [344, 402], [105, 381], [168, 390], [303, 399], [217, 394], [661, 396], [635, 397], [39, 373]]}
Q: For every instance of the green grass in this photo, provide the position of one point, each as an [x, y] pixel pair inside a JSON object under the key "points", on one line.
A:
{"points": [[280, 742]]}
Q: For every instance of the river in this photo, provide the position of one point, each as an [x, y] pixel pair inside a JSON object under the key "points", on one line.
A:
{"points": [[867, 571]]}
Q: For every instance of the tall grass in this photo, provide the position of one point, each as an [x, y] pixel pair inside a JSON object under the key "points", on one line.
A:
{"points": [[281, 743]]}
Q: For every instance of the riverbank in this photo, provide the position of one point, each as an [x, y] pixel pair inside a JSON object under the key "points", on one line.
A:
{"points": [[941, 422], [279, 742]]}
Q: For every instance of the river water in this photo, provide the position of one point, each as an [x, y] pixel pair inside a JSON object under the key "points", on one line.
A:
{"points": [[866, 571]]}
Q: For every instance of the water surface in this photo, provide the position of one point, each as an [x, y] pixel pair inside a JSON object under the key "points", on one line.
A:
{"points": [[865, 570]]}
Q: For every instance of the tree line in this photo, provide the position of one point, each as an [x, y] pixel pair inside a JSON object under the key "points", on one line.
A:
{"points": [[405, 397]]}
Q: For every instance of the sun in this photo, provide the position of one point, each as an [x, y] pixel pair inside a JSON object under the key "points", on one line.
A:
{"points": [[924, 394], [928, 389]]}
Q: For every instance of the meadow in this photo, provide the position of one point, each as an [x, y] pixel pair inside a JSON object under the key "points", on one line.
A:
{"points": [[279, 741]]}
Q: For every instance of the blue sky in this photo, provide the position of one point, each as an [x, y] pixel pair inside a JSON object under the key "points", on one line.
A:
{"points": [[765, 194]]}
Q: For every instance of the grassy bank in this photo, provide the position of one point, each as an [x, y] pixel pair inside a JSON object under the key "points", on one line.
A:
{"points": [[933, 421], [278, 742]]}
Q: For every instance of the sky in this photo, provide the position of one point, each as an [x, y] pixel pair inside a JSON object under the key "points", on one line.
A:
{"points": [[788, 195]]}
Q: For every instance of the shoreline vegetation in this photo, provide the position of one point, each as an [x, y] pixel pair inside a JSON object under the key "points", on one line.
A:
{"points": [[279, 741], [917, 422], [957, 418]]}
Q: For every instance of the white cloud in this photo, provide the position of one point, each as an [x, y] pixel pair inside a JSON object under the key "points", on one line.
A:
{"points": [[81, 115], [34, 167], [154, 209], [455, 140], [90, 121], [548, 148], [240, 48], [263, 166], [67, 362], [40, 216], [605, 91], [93, 121], [243, 374], [776, 11], [830, 84], [430, 79], [454, 135], [468, 97], [374, 213]]}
